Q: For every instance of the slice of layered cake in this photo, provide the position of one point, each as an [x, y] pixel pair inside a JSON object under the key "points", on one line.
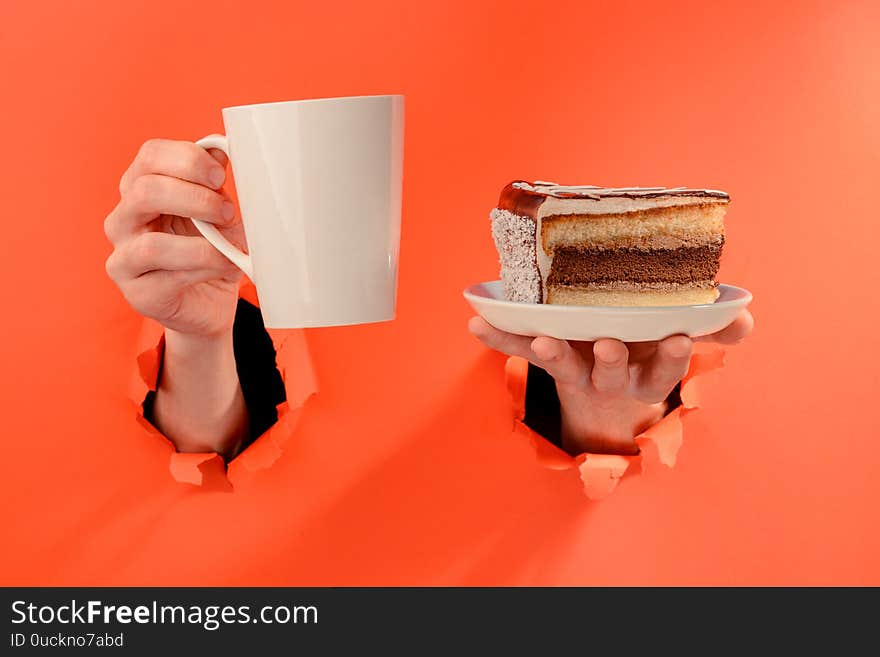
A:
{"points": [[603, 246]]}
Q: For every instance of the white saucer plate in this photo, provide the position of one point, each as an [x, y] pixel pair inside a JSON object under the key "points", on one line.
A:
{"points": [[626, 323]]}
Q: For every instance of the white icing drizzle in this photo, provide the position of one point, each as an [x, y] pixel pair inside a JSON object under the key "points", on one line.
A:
{"points": [[594, 192]]}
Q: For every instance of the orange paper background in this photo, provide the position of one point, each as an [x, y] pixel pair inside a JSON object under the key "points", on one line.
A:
{"points": [[403, 469]]}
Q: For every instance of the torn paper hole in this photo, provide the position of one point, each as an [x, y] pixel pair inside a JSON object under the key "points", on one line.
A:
{"points": [[208, 470], [600, 473]]}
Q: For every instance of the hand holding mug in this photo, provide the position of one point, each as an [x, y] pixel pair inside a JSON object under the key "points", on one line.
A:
{"points": [[319, 182], [165, 269]]}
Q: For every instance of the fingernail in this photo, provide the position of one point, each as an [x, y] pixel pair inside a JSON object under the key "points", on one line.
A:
{"points": [[217, 176], [228, 210]]}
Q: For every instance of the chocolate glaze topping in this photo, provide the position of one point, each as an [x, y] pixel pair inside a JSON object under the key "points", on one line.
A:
{"points": [[524, 198], [522, 202], [573, 266]]}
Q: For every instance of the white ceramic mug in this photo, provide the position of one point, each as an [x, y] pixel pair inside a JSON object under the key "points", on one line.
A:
{"points": [[319, 185]]}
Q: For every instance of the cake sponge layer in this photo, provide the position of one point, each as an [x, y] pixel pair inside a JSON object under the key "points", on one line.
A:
{"points": [[633, 294], [655, 228], [687, 264]]}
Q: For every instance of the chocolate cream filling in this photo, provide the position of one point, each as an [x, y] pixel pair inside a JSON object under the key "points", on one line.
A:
{"points": [[573, 266]]}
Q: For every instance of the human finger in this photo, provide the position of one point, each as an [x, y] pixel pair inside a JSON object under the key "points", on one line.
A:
{"points": [[179, 159], [733, 333], [665, 369], [153, 195], [507, 343], [610, 373], [154, 251], [561, 361]]}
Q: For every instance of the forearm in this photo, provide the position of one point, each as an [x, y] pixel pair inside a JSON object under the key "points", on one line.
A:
{"points": [[199, 404]]}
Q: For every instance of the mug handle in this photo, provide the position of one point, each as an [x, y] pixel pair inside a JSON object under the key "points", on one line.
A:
{"points": [[238, 257]]}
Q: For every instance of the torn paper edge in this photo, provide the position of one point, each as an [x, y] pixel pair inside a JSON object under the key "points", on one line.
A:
{"points": [[207, 469], [600, 473]]}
